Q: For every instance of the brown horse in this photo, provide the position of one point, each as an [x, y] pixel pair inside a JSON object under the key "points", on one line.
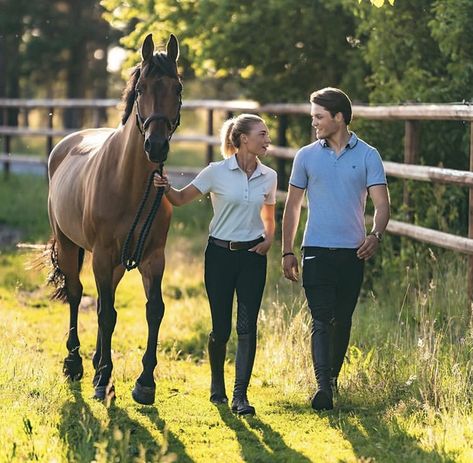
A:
{"points": [[97, 179]]}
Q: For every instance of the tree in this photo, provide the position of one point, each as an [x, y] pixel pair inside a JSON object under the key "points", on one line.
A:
{"points": [[54, 48]]}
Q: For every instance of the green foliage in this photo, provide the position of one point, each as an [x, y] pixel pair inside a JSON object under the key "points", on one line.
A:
{"points": [[54, 48], [26, 207], [231, 41]]}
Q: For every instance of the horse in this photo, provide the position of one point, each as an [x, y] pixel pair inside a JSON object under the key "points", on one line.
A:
{"points": [[96, 183]]}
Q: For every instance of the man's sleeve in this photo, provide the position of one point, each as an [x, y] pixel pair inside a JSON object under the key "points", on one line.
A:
{"points": [[299, 173], [375, 169]]}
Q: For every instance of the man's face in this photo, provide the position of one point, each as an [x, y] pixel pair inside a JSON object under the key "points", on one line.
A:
{"points": [[324, 124]]}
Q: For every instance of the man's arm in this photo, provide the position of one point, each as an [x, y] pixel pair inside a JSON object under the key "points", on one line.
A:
{"points": [[380, 197], [290, 222]]}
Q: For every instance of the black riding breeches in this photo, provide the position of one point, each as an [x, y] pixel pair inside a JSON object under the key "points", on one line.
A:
{"points": [[332, 280], [228, 271]]}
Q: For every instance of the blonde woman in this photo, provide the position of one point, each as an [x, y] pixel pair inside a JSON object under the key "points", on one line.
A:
{"points": [[243, 195]]}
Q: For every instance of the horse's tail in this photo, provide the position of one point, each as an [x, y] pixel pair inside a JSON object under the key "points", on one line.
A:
{"points": [[56, 277]]}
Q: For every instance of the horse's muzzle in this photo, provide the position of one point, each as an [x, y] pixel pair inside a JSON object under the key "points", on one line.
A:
{"points": [[156, 148]]}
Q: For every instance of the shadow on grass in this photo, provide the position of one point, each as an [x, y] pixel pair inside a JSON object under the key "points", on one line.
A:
{"points": [[84, 434], [260, 442], [78, 427], [174, 444], [372, 436]]}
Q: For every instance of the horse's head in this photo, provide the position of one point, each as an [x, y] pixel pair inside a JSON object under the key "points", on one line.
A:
{"points": [[158, 97]]}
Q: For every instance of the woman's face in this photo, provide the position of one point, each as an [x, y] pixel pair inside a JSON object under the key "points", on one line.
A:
{"points": [[257, 140]]}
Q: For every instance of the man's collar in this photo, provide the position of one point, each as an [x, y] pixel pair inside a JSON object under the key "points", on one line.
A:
{"points": [[353, 140]]}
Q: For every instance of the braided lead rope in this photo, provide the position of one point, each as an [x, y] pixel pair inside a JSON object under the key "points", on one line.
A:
{"points": [[131, 261]]}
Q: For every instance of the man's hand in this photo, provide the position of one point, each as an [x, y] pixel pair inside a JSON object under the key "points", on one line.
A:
{"points": [[368, 248], [290, 267]]}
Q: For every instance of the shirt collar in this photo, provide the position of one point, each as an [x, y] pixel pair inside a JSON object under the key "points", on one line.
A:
{"points": [[351, 142], [233, 164]]}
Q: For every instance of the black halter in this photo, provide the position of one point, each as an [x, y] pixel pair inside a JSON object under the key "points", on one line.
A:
{"points": [[143, 123]]}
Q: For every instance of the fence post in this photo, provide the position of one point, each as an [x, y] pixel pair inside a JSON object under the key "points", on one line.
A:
{"points": [[6, 142], [7, 149], [49, 138], [411, 152], [470, 222], [282, 141], [210, 132]]}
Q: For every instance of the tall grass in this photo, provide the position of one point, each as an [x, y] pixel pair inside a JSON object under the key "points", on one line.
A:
{"points": [[412, 340]]}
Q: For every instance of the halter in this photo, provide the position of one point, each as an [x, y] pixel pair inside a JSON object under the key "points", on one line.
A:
{"points": [[131, 259], [143, 123]]}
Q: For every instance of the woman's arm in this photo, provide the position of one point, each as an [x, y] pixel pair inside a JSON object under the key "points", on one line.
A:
{"points": [[267, 216], [176, 197]]}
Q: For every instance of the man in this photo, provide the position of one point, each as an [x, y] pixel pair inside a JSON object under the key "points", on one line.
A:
{"points": [[337, 172]]}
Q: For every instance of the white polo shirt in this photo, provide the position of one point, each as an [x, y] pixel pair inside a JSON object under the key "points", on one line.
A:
{"points": [[236, 199]]}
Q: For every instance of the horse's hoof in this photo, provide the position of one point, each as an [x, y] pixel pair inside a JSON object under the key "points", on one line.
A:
{"points": [[73, 369], [105, 394], [144, 395]]}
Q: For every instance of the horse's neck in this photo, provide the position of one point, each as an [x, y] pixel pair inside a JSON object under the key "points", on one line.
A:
{"points": [[132, 163]]}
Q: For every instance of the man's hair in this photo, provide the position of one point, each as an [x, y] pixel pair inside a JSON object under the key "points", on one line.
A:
{"points": [[333, 100]]}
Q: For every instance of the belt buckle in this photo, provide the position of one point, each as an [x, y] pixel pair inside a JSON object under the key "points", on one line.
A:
{"points": [[230, 246]]}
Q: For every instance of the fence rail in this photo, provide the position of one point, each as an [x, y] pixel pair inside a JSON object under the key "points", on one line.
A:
{"points": [[412, 114]]}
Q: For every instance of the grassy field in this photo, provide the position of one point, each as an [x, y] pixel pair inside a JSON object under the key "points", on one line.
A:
{"points": [[405, 391]]}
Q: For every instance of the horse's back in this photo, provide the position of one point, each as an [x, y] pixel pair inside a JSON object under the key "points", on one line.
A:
{"points": [[78, 145]]}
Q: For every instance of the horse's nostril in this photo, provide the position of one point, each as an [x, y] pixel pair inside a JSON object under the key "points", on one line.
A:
{"points": [[147, 145]]}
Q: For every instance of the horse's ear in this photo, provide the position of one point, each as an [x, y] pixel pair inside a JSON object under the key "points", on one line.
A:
{"points": [[147, 49], [172, 48]]}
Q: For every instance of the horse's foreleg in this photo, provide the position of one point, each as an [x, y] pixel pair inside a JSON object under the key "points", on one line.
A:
{"points": [[117, 276], [152, 273], [107, 318]]}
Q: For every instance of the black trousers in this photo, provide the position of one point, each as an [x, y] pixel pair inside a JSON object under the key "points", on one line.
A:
{"points": [[332, 280], [227, 272]]}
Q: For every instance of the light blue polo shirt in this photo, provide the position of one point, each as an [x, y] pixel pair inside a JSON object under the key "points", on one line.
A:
{"points": [[236, 199], [336, 188]]}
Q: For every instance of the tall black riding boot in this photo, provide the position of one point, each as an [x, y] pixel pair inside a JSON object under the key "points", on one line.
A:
{"points": [[320, 343], [340, 339], [245, 358], [217, 352]]}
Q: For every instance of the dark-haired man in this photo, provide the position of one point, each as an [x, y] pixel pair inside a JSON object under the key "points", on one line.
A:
{"points": [[337, 172]]}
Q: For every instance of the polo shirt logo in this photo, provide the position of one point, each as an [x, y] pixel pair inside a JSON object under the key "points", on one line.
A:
{"points": [[353, 167]]}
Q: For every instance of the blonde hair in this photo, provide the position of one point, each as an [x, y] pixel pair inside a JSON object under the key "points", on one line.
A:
{"points": [[232, 129]]}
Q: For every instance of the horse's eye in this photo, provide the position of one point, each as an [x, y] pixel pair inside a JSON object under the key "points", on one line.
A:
{"points": [[139, 90]]}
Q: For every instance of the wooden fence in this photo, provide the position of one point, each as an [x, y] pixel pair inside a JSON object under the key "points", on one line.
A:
{"points": [[410, 114]]}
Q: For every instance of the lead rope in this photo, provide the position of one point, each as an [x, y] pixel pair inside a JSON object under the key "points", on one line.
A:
{"points": [[132, 261]]}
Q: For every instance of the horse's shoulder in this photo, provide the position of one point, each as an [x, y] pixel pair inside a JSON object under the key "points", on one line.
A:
{"points": [[82, 143]]}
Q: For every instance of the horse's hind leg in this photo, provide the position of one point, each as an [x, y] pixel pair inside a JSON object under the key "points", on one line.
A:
{"points": [[69, 261], [152, 274]]}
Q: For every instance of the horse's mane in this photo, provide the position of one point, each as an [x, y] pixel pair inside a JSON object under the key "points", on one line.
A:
{"points": [[160, 64]]}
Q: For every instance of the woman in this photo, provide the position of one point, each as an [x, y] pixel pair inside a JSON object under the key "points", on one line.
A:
{"points": [[243, 194]]}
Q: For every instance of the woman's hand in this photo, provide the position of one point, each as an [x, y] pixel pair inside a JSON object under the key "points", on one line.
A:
{"points": [[161, 182], [262, 248]]}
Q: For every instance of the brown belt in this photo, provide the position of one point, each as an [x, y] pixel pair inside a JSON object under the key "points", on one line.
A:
{"points": [[235, 245]]}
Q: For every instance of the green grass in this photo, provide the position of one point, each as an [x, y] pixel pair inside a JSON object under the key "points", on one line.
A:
{"points": [[405, 390]]}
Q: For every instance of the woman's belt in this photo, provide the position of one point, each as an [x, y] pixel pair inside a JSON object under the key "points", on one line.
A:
{"points": [[235, 245]]}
